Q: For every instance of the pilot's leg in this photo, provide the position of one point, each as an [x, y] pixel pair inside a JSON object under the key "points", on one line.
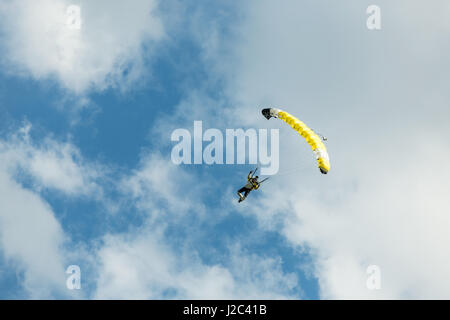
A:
{"points": [[240, 192]]}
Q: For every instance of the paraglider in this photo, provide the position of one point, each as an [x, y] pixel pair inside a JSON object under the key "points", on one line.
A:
{"points": [[252, 184], [307, 133], [312, 138]]}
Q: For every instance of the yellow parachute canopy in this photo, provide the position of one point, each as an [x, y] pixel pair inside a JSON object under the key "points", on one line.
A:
{"points": [[310, 136]]}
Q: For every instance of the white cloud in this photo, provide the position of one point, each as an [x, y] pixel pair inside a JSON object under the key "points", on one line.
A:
{"points": [[158, 183], [145, 263], [397, 218], [385, 200], [139, 264], [144, 267], [51, 164], [107, 50], [31, 238]]}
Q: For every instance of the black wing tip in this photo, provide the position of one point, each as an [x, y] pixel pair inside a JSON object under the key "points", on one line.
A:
{"points": [[266, 113]]}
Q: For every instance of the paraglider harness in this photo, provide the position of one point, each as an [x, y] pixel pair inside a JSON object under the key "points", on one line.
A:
{"points": [[252, 184]]}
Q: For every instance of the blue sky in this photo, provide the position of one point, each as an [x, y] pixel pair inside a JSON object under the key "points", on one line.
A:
{"points": [[86, 176]]}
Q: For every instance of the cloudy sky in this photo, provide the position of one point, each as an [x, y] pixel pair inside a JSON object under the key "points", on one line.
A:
{"points": [[87, 109]]}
